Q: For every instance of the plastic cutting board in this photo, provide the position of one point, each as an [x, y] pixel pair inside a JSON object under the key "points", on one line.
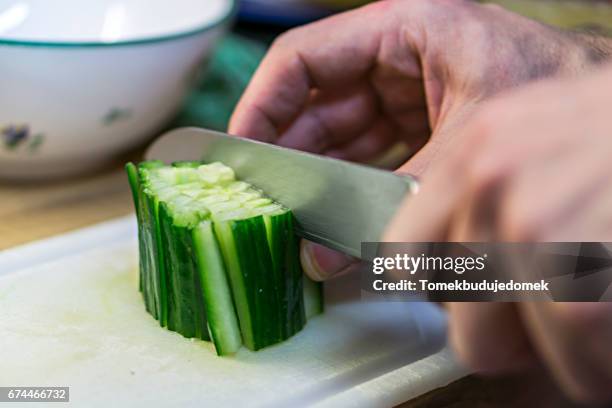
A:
{"points": [[71, 315]]}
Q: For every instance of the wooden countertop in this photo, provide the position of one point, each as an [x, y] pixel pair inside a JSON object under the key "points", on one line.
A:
{"points": [[35, 211], [32, 211]]}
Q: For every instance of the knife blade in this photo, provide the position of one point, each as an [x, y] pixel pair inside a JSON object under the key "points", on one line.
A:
{"points": [[336, 203]]}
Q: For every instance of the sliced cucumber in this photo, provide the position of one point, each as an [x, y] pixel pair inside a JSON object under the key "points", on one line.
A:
{"points": [[218, 259]]}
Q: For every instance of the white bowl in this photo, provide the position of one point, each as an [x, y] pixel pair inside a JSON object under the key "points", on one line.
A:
{"points": [[81, 81]]}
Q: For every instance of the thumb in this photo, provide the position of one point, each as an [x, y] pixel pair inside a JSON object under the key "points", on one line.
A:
{"points": [[321, 263]]}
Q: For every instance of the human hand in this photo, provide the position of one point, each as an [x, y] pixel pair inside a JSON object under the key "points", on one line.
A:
{"points": [[533, 166], [353, 85]]}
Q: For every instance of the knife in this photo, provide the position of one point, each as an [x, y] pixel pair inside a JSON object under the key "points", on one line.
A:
{"points": [[336, 203]]}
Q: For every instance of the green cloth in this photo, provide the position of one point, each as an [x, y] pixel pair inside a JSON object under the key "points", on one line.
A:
{"points": [[220, 83]]}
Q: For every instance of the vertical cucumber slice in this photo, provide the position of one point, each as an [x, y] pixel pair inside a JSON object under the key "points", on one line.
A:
{"points": [[134, 181], [188, 316], [249, 265], [223, 323], [287, 271]]}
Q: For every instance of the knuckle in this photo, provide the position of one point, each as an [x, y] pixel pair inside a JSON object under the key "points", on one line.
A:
{"points": [[288, 39]]}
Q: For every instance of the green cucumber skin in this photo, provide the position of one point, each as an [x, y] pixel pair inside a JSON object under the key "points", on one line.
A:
{"points": [[256, 264], [134, 181], [151, 265], [148, 249], [161, 277], [155, 273], [150, 244], [189, 316], [254, 293], [225, 237], [223, 323], [151, 282], [284, 248]]}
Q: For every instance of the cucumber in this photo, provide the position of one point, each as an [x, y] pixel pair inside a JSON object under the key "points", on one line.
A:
{"points": [[215, 290], [219, 261], [284, 248]]}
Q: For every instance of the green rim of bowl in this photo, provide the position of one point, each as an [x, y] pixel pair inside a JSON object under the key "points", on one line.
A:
{"points": [[137, 41]]}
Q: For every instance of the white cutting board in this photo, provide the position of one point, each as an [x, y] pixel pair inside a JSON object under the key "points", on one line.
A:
{"points": [[71, 315]]}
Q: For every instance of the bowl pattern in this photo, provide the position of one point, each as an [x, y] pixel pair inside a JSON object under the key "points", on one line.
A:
{"points": [[15, 137]]}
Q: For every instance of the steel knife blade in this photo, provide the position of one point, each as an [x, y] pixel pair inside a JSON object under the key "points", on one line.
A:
{"points": [[336, 203]]}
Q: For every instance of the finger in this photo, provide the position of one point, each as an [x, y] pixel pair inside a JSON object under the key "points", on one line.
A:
{"points": [[463, 177], [425, 217], [305, 59], [321, 263], [470, 172], [596, 227], [489, 337], [476, 215], [367, 146], [574, 340], [570, 213], [331, 119], [580, 213]]}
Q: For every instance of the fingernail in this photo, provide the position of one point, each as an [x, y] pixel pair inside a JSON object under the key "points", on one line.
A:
{"points": [[309, 264], [320, 263]]}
